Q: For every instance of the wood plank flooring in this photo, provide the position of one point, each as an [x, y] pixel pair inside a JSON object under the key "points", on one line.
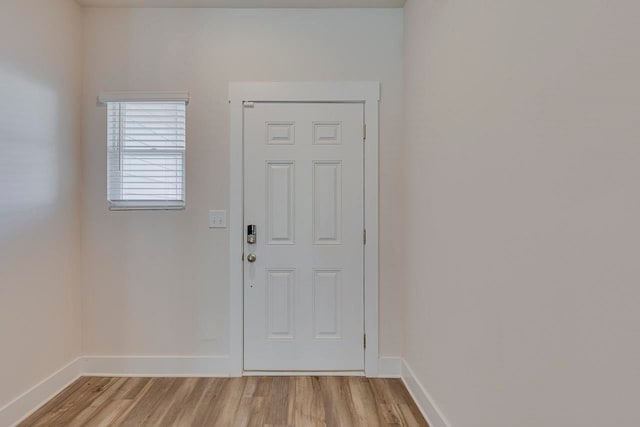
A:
{"points": [[234, 402]]}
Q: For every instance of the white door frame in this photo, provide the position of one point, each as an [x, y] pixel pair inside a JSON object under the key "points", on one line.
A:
{"points": [[367, 93]]}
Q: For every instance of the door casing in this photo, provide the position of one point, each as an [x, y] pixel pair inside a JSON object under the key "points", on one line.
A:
{"points": [[367, 93]]}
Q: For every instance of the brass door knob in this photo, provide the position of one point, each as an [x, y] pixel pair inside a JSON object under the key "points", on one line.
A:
{"points": [[251, 257]]}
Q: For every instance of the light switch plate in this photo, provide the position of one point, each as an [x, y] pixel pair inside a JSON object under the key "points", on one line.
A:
{"points": [[217, 219]]}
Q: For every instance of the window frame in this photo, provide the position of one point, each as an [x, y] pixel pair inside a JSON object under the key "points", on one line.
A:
{"points": [[146, 97]]}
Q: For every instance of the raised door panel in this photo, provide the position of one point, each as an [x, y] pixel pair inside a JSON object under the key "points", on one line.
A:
{"points": [[327, 304], [280, 133], [280, 197], [327, 133], [327, 202], [280, 321]]}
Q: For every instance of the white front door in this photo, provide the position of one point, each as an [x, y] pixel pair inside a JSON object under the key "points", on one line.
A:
{"points": [[303, 192]]}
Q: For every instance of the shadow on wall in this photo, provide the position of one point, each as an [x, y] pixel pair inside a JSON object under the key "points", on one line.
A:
{"points": [[29, 164]]}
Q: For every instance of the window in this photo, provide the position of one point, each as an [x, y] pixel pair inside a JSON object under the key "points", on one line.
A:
{"points": [[146, 142]]}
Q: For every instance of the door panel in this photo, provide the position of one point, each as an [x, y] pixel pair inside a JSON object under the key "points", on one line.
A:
{"points": [[303, 295], [280, 203], [327, 202]]}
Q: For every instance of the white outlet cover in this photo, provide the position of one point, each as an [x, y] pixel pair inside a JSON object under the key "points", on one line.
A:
{"points": [[217, 219]]}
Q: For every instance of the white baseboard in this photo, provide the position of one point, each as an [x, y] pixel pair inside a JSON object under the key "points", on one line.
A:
{"points": [[432, 414], [24, 405], [155, 366], [390, 367]]}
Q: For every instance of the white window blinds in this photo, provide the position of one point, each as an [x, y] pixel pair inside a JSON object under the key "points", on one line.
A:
{"points": [[146, 154]]}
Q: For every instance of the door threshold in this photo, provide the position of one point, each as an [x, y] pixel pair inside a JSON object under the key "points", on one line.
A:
{"points": [[303, 374]]}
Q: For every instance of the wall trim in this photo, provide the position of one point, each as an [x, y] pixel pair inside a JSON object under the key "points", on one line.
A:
{"points": [[155, 366], [28, 402], [423, 399]]}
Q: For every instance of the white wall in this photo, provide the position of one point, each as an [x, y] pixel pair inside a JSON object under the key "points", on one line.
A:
{"points": [[521, 210], [40, 73], [156, 283]]}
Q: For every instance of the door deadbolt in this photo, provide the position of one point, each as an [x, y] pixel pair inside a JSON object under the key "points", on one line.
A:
{"points": [[251, 234]]}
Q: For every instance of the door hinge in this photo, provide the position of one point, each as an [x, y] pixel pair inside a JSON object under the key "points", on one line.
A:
{"points": [[247, 104], [365, 341], [364, 132], [364, 236]]}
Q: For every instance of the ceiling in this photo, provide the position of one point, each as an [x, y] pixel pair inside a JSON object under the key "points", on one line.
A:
{"points": [[246, 3]]}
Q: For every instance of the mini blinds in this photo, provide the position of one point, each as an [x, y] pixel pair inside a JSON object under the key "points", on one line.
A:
{"points": [[146, 154]]}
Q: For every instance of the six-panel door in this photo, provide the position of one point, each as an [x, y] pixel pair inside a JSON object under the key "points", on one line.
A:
{"points": [[304, 293]]}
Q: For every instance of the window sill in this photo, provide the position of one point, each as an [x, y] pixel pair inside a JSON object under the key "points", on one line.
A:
{"points": [[141, 206]]}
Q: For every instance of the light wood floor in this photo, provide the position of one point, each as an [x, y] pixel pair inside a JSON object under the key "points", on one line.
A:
{"points": [[247, 401]]}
